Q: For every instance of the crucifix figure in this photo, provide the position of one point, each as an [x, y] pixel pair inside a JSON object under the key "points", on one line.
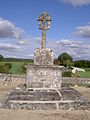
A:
{"points": [[44, 24]]}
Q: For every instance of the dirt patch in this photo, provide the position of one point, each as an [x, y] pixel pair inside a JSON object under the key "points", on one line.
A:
{"points": [[43, 115], [4, 89], [85, 92]]}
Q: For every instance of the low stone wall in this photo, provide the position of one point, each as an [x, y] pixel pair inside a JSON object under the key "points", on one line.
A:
{"points": [[72, 80], [12, 77], [64, 79]]}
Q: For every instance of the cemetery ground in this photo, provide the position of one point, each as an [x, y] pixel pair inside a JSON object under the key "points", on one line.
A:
{"points": [[6, 114]]}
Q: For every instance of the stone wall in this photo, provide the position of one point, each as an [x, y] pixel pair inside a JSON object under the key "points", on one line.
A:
{"points": [[71, 80], [12, 77], [64, 79]]}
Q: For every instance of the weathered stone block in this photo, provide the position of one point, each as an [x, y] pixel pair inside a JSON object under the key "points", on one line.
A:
{"points": [[44, 76], [43, 57]]}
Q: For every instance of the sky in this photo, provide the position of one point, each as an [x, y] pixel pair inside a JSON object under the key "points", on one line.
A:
{"points": [[69, 30]]}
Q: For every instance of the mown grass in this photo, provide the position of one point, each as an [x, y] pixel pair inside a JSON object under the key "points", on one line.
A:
{"points": [[85, 74], [17, 67], [81, 74]]}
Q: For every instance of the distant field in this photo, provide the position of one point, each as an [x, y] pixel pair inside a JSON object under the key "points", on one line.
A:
{"points": [[85, 74], [17, 67]]}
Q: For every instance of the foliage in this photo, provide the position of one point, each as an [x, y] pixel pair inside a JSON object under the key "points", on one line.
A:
{"points": [[1, 58], [5, 67], [65, 59], [2, 68], [66, 74], [82, 63], [56, 62], [18, 60], [23, 69]]}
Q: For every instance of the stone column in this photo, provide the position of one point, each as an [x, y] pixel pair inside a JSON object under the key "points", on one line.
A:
{"points": [[43, 39]]}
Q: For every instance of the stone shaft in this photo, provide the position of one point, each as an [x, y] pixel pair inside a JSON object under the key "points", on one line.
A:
{"points": [[43, 38]]}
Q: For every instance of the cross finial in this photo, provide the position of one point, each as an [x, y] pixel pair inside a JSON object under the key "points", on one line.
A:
{"points": [[44, 24]]}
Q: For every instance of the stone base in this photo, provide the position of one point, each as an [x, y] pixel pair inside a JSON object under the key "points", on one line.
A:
{"points": [[44, 76], [65, 98], [43, 57]]}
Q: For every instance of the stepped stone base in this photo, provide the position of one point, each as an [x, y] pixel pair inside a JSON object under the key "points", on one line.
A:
{"points": [[44, 76], [65, 98]]}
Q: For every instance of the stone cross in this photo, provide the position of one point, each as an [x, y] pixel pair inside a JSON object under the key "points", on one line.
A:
{"points": [[44, 24]]}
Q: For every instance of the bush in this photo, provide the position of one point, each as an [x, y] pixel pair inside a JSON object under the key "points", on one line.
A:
{"points": [[2, 68], [66, 74]]}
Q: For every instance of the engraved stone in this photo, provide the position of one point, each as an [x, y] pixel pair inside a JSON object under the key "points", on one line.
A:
{"points": [[43, 57]]}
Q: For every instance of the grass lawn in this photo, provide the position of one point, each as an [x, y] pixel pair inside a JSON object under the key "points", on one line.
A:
{"points": [[16, 67], [85, 74]]}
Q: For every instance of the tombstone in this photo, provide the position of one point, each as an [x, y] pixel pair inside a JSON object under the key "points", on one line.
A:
{"points": [[44, 74]]}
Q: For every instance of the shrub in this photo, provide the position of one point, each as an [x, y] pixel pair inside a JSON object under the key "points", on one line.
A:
{"points": [[66, 74]]}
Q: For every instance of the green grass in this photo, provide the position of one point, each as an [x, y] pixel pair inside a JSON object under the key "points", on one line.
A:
{"points": [[85, 74], [16, 67]]}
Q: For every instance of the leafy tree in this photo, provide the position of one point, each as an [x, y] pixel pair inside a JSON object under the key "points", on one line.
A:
{"points": [[22, 69], [82, 63], [56, 61], [65, 59], [2, 69], [8, 66], [1, 58]]}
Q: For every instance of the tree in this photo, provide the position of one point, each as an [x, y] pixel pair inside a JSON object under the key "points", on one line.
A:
{"points": [[8, 66], [56, 61], [82, 63], [1, 58], [65, 59], [22, 69], [2, 68]]}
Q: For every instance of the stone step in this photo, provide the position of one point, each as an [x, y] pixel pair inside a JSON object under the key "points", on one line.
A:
{"points": [[38, 96], [48, 105], [71, 95]]}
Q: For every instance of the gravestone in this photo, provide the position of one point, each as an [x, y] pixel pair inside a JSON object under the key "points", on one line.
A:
{"points": [[44, 73]]}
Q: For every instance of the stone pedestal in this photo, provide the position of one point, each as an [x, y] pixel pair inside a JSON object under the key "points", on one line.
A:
{"points": [[43, 57], [44, 76]]}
